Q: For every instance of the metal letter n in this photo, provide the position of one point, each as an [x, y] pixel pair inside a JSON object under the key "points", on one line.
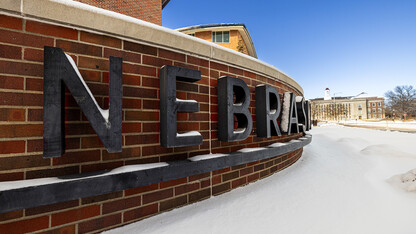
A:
{"points": [[59, 70]]}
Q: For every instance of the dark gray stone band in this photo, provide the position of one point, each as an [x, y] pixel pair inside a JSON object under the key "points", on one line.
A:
{"points": [[18, 195]]}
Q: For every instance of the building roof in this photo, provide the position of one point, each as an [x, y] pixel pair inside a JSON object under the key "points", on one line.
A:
{"points": [[225, 26], [364, 95], [164, 3]]}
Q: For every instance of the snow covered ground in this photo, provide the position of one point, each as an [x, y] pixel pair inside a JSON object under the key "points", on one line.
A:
{"points": [[386, 124], [349, 180]]}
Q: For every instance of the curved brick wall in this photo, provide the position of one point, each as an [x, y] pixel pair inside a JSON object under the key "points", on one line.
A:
{"points": [[22, 39]]}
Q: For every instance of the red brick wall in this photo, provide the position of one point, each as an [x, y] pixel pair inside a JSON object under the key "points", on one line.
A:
{"points": [[21, 100], [147, 10]]}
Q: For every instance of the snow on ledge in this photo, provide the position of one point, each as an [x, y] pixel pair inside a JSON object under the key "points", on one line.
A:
{"points": [[52, 180]]}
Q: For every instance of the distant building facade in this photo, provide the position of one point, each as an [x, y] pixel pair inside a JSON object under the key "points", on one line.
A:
{"points": [[232, 36], [362, 106]]}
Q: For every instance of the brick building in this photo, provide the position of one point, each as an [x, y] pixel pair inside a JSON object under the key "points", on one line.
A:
{"points": [[232, 36], [362, 106], [149, 10], [88, 189]]}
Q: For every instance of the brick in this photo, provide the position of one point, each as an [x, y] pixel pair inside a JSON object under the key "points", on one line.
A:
{"points": [[246, 171], [35, 114], [100, 39], [54, 172], [62, 230], [154, 61], [34, 84], [79, 48], [142, 115], [12, 147], [142, 189], [51, 30], [77, 157], [236, 71], [253, 177], [186, 188], [27, 130], [78, 129], [173, 203], [197, 61], [24, 226], [75, 215], [11, 82], [139, 92], [230, 176], [131, 80], [122, 204], [18, 38], [51, 208], [238, 182], [19, 68], [258, 167], [132, 127], [91, 142], [140, 212], [218, 189], [11, 22], [11, 52], [89, 75], [140, 48], [11, 215], [151, 104], [150, 82], [157, 196], [10, 163], [99, 223], [139, 69], [125, 55], [12, 114], [199, 195], [155, 150], [151, 127], [131, 103], [171, 55], [93, 63], [218, 66], [142, 139], [11, 176], [102, 197]]}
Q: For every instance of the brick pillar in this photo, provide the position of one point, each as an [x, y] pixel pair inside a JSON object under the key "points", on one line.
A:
{"points": [[148, 10]]}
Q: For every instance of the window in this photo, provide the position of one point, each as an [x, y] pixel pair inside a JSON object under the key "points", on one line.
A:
{"points": [[379, 104], [368, 104], [379, 110], [360, 112], [221, 37], [375, 116], [360, 106], [368, 110], [374, 110], [374, 104]]}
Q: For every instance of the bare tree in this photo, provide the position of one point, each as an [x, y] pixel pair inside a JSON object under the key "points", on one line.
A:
{"points": [[401, 99]]}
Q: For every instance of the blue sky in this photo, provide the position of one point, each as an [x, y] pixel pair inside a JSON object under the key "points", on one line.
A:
{"points": [[348, 46]]}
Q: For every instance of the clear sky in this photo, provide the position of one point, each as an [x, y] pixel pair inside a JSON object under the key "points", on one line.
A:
{"points": [[349, 46]]}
